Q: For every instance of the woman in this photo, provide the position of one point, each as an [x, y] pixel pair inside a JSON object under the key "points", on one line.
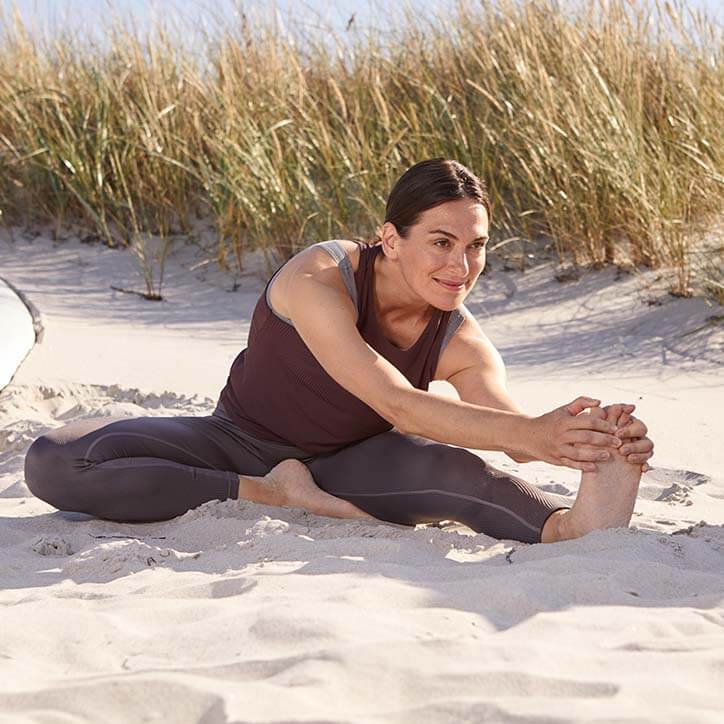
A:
{"points": [[327, 408]]}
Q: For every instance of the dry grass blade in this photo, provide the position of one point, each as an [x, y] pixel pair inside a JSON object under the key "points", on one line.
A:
{"points": [[597, 124]]}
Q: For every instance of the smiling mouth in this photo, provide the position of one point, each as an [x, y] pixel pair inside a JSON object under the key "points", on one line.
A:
{"points": [[451, 285]]}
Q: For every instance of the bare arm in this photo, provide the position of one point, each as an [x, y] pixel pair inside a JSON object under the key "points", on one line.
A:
{"points": [[474, 367], [325, 318]]}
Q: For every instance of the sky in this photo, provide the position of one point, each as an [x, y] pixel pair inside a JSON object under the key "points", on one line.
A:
{"points": [[90, 16], [85, 14]]}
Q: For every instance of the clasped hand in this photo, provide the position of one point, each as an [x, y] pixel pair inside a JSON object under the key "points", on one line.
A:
{"points": [[570, 437]]}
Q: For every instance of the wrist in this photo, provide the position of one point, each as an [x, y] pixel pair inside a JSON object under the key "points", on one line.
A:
{"points": [[520, 444], [520, 457]]}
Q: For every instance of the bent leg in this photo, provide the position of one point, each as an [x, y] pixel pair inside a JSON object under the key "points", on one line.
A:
{"points": [[138, 469], [408, 479], [292, 485]]}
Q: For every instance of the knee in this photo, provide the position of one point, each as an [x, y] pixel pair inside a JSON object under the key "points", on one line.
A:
{"points": [[452, 465], [45, 462]]}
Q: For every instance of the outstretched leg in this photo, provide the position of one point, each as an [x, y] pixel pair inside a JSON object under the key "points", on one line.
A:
{"points": [[407, 479], [605, 499]]}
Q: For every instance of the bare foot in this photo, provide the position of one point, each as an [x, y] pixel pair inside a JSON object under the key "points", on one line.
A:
{"points": [[296, 489], [605, 498]]}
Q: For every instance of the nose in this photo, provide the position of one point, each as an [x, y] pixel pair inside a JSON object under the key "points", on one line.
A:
{"points": [[459, 264]]}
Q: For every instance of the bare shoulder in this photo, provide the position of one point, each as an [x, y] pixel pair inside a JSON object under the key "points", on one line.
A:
{"points": [[314, 262], [469, 347], [315, 258]]}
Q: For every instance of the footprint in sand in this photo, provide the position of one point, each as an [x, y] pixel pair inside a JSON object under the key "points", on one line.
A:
{"points": [[553, 487], [667, 476], [669, 485], [676, 494], [16, 438], [52, 546]]}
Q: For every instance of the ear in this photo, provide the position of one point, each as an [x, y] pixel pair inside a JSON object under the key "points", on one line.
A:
{"points": [[390, 239]]}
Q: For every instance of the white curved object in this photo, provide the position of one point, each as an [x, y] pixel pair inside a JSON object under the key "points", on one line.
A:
{"points": [[17, 333]]}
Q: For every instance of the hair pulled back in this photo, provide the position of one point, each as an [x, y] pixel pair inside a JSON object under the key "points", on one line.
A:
{"points": [[427, 184]]}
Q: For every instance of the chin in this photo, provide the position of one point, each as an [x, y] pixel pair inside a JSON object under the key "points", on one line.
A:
{"points": [[450, 304], [448, 300]]}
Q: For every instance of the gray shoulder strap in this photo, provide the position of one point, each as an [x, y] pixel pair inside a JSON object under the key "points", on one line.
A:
{"points": [[453, 324], [337, 252]]}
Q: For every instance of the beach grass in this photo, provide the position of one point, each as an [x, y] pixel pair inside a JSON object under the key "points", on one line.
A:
{"points": [[599, 129]]}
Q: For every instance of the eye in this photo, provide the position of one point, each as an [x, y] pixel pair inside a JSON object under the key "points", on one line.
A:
{"points": [[477, 245]]}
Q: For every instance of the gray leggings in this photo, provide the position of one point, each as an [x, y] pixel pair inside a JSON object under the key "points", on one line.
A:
{"points": [[145, 469]]}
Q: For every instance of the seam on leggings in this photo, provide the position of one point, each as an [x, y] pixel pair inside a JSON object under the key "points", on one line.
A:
{"points": [[229, 483], [159, 463], [150, 437], [442, 492]]}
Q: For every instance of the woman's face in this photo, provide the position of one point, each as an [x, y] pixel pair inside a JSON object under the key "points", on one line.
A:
{"points": [[444, 252]]}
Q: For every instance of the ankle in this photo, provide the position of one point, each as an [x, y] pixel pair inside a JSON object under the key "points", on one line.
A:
{"points": [[260, 490], [567, 528], [557, 527]]}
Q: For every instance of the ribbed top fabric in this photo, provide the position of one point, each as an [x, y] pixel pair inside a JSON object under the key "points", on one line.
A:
{"points": [[277, 390]]}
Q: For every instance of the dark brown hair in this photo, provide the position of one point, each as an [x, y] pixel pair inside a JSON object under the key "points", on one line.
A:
{"points": [[427, 184]]}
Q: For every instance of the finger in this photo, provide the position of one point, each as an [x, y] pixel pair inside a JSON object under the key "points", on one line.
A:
{"points": [[624, 420], [582, 466], [586, 453], [634, 429], [637, 459], [639, 446], [626, 407], [580, 404], [640, 457], [583, 453], [620, 413], [627, 435], [645, 468], [598, 413], [584, 421], [614, 413], [589, 437]]}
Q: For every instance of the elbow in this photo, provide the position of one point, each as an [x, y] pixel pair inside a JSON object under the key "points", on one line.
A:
{"points": [[397, 410]]}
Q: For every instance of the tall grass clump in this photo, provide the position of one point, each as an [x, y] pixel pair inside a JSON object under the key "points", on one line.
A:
{"points": [[597, 126]]}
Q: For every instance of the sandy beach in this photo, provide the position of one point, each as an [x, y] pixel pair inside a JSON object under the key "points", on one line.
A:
{"points": [[239, 612]]}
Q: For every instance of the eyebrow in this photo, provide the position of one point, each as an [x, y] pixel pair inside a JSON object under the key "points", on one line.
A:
{"points": [[452, 236]]}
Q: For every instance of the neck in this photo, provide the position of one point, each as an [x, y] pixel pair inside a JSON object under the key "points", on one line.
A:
{"points": [[393, 297]]}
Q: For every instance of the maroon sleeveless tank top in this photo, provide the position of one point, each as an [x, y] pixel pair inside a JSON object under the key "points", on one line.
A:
{"points": [[277, 391]]}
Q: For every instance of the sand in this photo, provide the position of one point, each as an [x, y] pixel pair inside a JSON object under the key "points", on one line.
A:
{"points": [[238, 612]]}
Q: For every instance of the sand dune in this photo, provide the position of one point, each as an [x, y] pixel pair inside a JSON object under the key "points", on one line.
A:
{"points": [[238, 612]]}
